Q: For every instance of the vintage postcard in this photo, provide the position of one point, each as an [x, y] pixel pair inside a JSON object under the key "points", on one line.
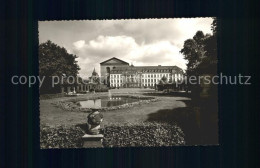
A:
{"points": [[128, 83]]}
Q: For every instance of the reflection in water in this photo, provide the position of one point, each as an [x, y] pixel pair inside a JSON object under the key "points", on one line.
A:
{"points": [[107, 102]]}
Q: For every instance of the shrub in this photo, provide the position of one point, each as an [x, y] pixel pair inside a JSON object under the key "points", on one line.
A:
{"points": [[51, 96], [144, 134], [102, 90], [117, 135], [61, 137]]}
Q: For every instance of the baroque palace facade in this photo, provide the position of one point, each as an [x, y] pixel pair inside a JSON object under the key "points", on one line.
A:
{"points": [[118, 73]]}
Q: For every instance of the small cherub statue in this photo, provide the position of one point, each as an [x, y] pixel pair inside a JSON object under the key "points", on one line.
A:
{"points": [[94, 120]]}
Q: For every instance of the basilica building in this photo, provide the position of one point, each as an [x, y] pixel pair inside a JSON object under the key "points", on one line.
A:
{"points": [[118, 73]]}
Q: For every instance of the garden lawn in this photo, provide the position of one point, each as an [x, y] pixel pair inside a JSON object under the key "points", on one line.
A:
{"points": [[53, 116]]}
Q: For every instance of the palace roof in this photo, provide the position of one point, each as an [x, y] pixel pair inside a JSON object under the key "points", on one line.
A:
{"points": [[113, 61], [146, 69]]}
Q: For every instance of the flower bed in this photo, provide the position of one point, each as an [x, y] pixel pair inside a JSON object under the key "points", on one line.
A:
{"points": [[74, 105]]}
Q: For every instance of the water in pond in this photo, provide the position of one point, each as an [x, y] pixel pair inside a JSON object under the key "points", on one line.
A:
{"points": [[107, 102]]}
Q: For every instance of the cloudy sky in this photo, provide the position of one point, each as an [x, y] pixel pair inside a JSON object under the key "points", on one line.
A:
{"points": [[140, 42]]}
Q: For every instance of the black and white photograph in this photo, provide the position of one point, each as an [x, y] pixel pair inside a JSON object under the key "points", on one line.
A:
{"points": [[128, 83]]}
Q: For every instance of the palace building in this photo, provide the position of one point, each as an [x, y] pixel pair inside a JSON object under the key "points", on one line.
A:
{"points": [[118, 73]]}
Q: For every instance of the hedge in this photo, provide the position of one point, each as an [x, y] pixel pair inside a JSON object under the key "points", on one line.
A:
{"points": [[143, 134], [61, 137], [117, 135]]}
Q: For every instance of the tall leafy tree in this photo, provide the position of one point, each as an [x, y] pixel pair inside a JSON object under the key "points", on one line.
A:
{"points": [[201, 53], [55, 61], [209, 62], [193, 51]]}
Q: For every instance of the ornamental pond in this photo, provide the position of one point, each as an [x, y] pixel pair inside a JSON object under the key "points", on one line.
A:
{"points": [[107, 102]]}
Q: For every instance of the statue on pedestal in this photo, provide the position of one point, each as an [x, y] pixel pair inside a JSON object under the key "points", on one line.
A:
{"points": [[94, 120]]}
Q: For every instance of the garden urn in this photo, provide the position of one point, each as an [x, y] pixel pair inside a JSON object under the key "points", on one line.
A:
{"points": [[94, 120]]}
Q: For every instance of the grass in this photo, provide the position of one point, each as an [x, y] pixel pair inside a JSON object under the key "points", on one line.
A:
{"points": [[52, 115], [170, 108]]}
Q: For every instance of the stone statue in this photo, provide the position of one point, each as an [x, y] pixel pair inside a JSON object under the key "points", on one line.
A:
{"points": [[94, 120]]}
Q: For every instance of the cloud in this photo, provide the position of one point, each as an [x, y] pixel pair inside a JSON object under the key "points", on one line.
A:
{"points": [[79, 44], [125, 48]]}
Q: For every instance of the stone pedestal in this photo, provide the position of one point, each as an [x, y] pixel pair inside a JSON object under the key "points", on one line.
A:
{"points": [[92, 141]]}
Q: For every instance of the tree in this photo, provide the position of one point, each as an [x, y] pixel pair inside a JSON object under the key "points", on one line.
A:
{"points": [[96, 80], [209, 62], [201, 54], [55, 61], [163, 80], [193, 51]]}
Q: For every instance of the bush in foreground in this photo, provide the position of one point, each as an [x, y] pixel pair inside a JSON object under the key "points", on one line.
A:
{"points": [[117, 135], [144, 134], [61, 137]]}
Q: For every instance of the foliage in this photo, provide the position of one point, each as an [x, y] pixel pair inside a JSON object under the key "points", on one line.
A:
{"points": [[163, 80], [193, 51], [102, 90], [143, 134], [201, 52], [96, 80], [51, 96], [55, 61], [116, 135], [60, 137]]}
